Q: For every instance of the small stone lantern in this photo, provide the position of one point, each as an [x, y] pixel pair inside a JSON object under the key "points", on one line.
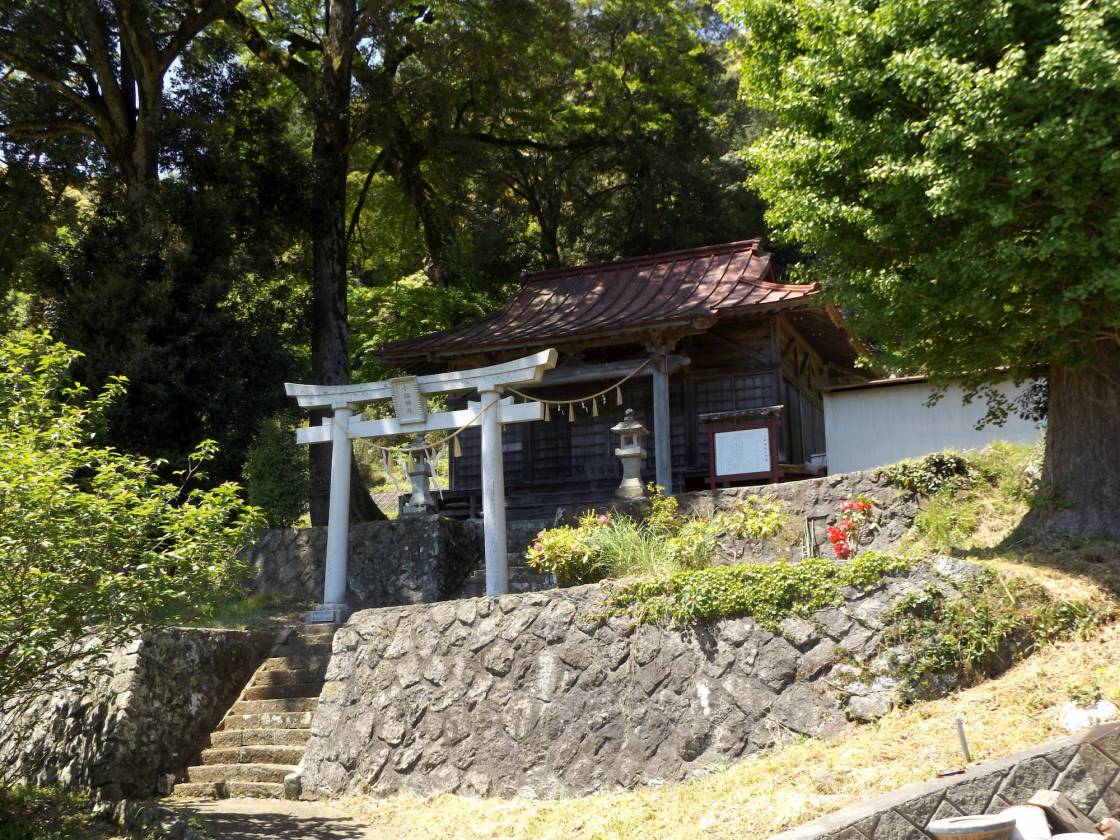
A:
{"points": [[419, 471], [631, 452]]}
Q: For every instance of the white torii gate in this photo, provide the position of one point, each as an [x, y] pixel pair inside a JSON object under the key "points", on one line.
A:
{"points": [[409, 395]]}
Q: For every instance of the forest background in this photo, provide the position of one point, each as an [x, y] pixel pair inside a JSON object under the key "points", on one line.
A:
{"points": [[213, 198]]}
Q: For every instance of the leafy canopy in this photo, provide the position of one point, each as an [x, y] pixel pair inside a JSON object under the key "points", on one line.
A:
{"points": [[93, 546], [954, 164]]}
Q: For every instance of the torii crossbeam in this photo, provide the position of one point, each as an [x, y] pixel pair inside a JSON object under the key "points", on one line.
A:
{"points": [[409, 395]]}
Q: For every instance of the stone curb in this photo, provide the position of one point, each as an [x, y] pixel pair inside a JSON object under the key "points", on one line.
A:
{"points": [[1086, 767]]}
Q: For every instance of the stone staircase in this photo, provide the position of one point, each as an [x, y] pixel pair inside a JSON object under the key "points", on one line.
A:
{"points": [[522, 578], [263, 735]]}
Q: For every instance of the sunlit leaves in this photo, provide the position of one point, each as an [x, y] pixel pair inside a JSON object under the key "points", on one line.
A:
{"points": [[93, 546], [954, 166]]}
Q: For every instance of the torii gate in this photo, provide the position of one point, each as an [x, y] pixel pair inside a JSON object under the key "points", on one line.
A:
{"points": [[409, 395]]}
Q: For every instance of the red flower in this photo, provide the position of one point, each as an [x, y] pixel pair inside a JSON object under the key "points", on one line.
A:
{"points": [[842, 550], [837, 534], [603, 519]]}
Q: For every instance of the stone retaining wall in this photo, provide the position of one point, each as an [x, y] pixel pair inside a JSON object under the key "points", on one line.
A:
{"points": [[817, 500], [538, 695], [146, 716], [404, 561], [1086, 767]]}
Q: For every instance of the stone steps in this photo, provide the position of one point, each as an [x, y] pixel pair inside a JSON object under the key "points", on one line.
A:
{"points": [[301, 651], [287, 677], [260, 737], [522, 577], [257, 754], [264, 734], [240, 772], [226, 790], [282, 704], [282, 720], [293, 663], [283, 692]]}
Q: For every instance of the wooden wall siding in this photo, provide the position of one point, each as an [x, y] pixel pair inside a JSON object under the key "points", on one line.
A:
{"points": [[732, 368], [803, 426]]}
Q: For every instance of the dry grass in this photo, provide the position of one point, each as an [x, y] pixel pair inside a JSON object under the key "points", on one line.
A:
{"points": [[765, 794]]}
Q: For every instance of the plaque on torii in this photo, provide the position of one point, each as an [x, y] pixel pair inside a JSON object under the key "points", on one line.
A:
{"points": [[410, 402]]}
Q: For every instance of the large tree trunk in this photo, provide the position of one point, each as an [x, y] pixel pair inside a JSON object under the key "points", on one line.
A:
{"points": [[329, 360], [329, 326], [1082, 463]]}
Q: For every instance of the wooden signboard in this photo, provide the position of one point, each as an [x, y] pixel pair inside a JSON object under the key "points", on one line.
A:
{"points": [[743, 445]]}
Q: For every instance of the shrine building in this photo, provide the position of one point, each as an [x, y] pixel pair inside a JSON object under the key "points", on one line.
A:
{"points": [[697, 342]]}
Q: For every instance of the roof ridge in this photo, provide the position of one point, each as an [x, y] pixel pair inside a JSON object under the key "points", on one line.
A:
{"points": [[754, 245]]}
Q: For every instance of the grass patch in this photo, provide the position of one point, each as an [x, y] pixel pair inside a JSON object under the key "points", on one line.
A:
{"points": [[995, 621], [768, 592], [617, 545], [48, 814], [253, 612]]}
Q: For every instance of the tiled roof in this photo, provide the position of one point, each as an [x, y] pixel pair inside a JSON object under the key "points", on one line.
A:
{"points": [[678, 288]]}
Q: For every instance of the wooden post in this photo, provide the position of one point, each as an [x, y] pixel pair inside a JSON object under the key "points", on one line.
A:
{"points": [[493, 493], [338, 525], [662, 442]]}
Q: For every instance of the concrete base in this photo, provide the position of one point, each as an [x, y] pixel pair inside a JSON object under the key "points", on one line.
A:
{"points": [[328, 614]]}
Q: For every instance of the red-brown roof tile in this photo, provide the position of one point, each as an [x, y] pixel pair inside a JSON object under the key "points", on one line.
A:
{"points": [[606, 299]]}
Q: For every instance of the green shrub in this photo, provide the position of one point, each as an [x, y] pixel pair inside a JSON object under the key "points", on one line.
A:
{"points": [[275, 472], [616, 545], [768, 592], [995, 623], [755, 517], [932, 473], [93, 544]]}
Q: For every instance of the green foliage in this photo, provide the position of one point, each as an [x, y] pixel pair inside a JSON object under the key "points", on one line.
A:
{"points": [[953, 164], [1087, 691], [755, 517], [768, 592], [964, 490], [992, 623], [616, 545], [92, 543], [932, 473], [28, 813], [403, 308], [275, 472], [947, 520]]}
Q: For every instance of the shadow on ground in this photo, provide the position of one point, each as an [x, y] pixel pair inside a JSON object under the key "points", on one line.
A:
{"points": [[232, 819]]}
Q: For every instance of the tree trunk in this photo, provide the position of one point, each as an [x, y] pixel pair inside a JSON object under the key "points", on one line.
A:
{"points": [[329, 326], [329, 359], [1082, 462]]}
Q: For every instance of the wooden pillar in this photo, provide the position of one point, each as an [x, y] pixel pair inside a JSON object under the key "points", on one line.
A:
{"points": [[662, 440], [338, 525], [493, 493]]}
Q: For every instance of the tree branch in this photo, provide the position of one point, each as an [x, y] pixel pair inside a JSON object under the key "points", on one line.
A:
{"points": [[190, 26], [528, 143], [374, 167], [49, 130], [296, 71], [41, 75]]}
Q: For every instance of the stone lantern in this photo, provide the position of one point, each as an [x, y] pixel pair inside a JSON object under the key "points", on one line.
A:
{"points": [[631, 452], [419, 471]]}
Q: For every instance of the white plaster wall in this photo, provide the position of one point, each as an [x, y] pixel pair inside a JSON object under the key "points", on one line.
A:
{"points": [[870, 427]]}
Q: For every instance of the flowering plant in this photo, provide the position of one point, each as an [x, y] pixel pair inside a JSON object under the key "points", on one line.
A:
{"points": [[855, 522]]}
